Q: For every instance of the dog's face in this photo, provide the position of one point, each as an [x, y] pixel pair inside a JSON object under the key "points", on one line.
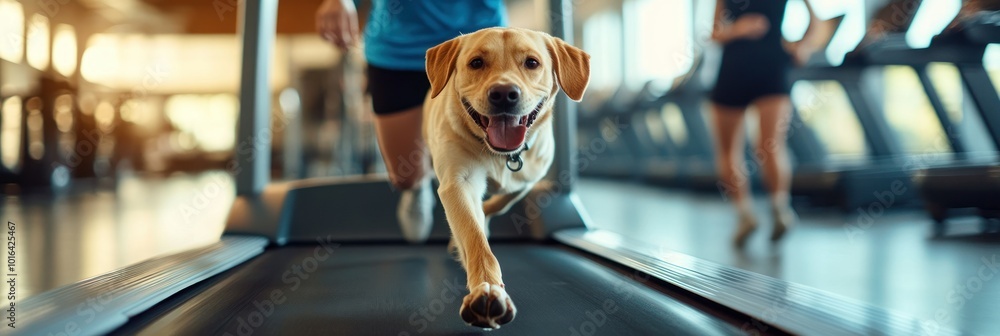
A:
{"points": [[505, 80]]}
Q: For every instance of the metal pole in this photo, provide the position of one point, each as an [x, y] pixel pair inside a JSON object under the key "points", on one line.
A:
{"points": [[952, 132], [980, 87], [564, 166], [253, 143]]}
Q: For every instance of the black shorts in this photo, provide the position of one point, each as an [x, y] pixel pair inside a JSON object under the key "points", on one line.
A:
{"points": [[747, 76], [396, 90]]}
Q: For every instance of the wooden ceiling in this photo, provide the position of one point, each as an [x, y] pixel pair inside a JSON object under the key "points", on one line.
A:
{"points": [[294, 16], [221, 16], [217, 16]]}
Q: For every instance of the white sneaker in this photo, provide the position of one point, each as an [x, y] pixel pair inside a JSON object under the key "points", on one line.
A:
{"points": [[416, 212], [746, 225], [784, 218]]}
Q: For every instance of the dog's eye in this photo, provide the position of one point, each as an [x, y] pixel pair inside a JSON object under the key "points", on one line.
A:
{"points": [[476, 63], [531, 63]]}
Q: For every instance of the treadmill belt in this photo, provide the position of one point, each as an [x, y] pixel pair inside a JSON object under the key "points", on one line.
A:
{"points": [[417, 290]]}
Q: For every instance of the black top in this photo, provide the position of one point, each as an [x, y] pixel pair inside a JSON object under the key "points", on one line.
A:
{"points": [[752, 69], [768, 47]]}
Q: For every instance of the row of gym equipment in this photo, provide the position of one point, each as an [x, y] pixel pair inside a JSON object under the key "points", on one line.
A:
{"points": [[660, 135]]}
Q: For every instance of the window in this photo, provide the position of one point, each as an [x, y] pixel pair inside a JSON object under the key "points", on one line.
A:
{"points": [[824, 107], [852, 28], [673, 117], [910, 114], [658, 40], [991, 60], [11, 31], [796, 20], [64, 49], [205, 122], [968, 123], [931, 18], [38, 42], [602, 39]]}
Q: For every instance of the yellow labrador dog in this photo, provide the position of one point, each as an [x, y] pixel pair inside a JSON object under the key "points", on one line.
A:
{"points": [[488, 125]]}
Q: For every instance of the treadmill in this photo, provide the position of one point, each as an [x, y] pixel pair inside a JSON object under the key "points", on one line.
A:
{"points": [[974, 185], [692, 164], [849, 183], [614, 140], [324, 256]]}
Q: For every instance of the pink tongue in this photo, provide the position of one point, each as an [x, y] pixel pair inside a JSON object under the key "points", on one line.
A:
{"points": [[505, 133]]}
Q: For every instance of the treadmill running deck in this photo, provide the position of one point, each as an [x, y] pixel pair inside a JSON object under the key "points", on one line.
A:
{"points": [[413, 290]]}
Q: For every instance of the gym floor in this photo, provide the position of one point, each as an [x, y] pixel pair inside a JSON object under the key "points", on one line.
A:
{"points": [[889, 260]]}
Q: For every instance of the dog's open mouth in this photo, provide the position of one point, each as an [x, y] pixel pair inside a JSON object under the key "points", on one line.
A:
{"points": [[504, 132]]}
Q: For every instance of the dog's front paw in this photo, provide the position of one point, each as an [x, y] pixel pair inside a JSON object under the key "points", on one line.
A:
{"points": [[487, 306]]}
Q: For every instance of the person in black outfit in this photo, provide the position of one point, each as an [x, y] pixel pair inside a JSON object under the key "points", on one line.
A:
{"points": [[755, 64]]}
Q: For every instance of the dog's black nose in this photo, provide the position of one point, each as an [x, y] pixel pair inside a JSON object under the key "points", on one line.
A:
{"points": [[504, 95]]}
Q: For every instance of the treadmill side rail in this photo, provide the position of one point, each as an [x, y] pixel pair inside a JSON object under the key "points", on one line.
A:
{"points": [[100, 304], [791, 307]]}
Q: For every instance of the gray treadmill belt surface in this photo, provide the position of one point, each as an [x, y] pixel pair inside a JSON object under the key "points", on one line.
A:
{"points": [[417, 290]]}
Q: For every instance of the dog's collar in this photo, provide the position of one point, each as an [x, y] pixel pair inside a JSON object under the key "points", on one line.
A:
{"points": [[514, 162]]}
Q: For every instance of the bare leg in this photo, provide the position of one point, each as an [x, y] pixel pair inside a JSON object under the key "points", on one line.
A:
{"points": [[406, 158], [775, 114], [733, 181], [402, 146]]}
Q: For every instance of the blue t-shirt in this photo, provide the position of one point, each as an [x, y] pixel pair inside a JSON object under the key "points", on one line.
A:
{"points": [[399, 32]]}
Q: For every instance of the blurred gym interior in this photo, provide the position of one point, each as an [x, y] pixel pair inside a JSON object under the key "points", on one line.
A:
{"points": [[120, 145]]}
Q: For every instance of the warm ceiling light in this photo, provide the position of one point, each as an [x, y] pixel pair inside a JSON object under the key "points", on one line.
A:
{"points": [[104, 114], [101, 60], [36, 144], [64, 113], [11, 31], [38, 42], [168, 64], [64, 49]]}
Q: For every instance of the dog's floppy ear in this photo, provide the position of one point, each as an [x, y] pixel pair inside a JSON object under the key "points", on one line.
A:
{"points": [[572, 67], [441, 63]]}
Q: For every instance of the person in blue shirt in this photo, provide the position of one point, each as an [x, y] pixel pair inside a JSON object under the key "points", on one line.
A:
{"points": [[396, 38]]}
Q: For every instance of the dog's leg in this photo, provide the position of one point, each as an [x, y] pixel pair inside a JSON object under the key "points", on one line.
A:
{"points": [[487, 305], [499, 204]]}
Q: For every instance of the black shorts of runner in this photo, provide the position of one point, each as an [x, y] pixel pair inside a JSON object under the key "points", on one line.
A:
{"points": [[396, 90]]}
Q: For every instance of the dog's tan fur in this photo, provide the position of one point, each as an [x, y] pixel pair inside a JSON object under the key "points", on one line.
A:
{"points": [[467, 167]]}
